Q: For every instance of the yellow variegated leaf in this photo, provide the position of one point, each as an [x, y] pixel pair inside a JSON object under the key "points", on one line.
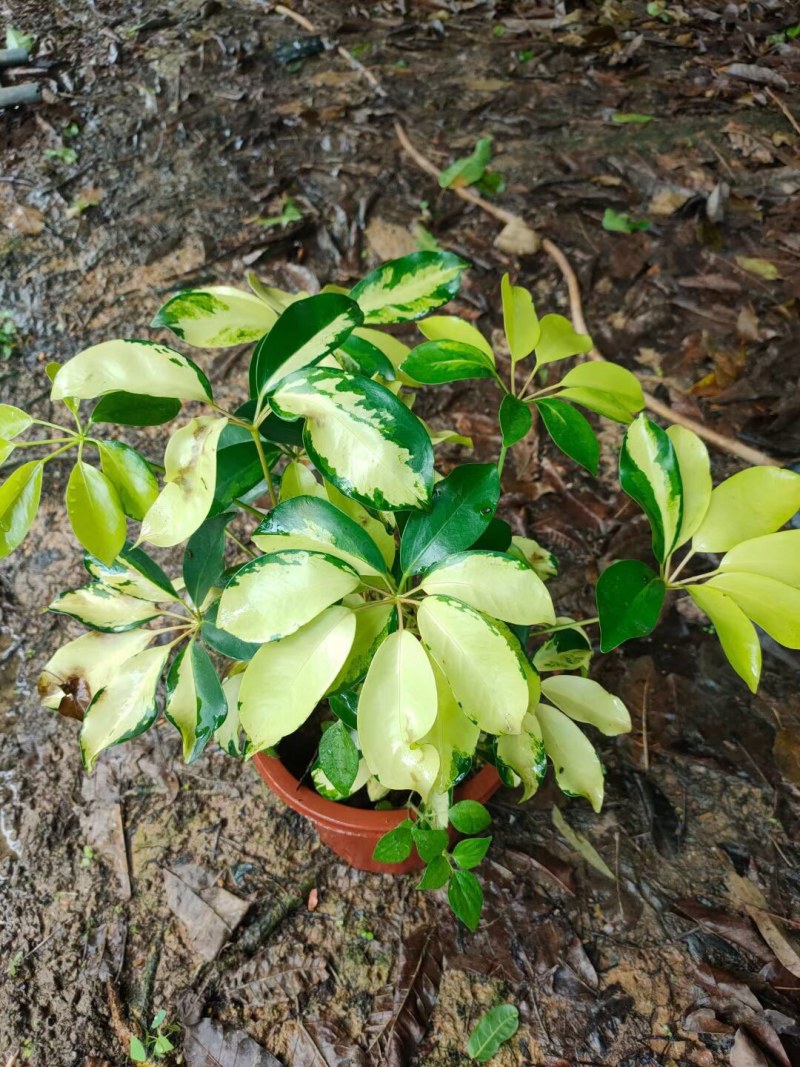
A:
{"points": [[298, 480], [126, 707], [104, 609], [774, 556], [279, 299], [405, 288], [392, 347], [285, 680], [648, 472], [773, 606], [523, 754], [123, 576], [587, 701], [229, 735], [376, 529], [272, 596], [93, 659], [453, 735], [217, 317], [520, 320], [325, 787], [541, 559], [481, 660], [140, 367], [495, 583], [736, 633], [195, 699], [190, 470], [373, 623], [578, 770], [452, 328], [695, 471], [754, 502], [397, 707]]}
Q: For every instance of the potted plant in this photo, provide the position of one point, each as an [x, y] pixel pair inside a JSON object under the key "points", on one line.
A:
{"points": [[371, 632]]}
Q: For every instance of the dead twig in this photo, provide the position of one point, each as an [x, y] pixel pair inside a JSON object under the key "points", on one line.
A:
{"points": [[301, 20], [789, 116], [718, 440]]}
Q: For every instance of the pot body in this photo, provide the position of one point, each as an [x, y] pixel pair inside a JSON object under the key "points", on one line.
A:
{"points": [[353, 833]]}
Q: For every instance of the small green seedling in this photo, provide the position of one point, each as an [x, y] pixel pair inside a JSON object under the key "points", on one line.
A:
{"points": [[497, 1026], [156, 1044]]}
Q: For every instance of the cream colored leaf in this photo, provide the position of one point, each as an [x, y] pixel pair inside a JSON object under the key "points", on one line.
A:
{"points": [[104, 609], [298, 480], [93, 659], [695, 470], [524, 755], [578, 770], [520, 320], [217, 317], [495, 583], [453, 735], [587, 701], [140, 367]]}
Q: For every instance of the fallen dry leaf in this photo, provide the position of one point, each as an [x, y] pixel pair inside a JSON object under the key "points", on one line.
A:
{"points": [[752, 899], [517, 239], [209, 1044], [208, 913]]}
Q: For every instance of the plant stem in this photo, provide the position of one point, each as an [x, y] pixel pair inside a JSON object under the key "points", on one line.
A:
{"points": [[567, 626], [264, 465], [501, 460], [241, 544], [58, 451], [695, 578], [46, 441], [680, 566], [55, 426]]}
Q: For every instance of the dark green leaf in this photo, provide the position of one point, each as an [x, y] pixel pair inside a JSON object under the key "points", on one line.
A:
{"points": [[238, 471], [429, 843], [304, 515], [395, 846], [345, 707], [462, 507], [515, 420], [339, 757], [495, 538], [470, 852], [363, 357], [273, 429], [212, 706], [496, 1026], [469, 817], [435, 362], [204, 557], [466, 898], [130, 409], [304, 334], [630, 596], [570, 431], [223, 642], [436, 874]]}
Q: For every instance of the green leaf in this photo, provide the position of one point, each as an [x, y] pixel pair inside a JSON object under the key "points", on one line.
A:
{"points": [[620, 222], [361, 437], [407, 288], [239, 472], [19, 502], [649, 474], [217, 317], [773, 606], [395, 846], [429, 843], [496, 1026], [558, 340], [101, 608], [630, 597], [396, 709], [695, 470], [436, 874], [565, 650], [775, 556], [570, 431], [453, 328], [286, 679], [587, 701], [462, 507], [466, 898], [162, 1045], [751, 503], [470, 169], [435, 362], [515, 420], [361, 356], [138, 1052], [339, 758], [316, 524], [469, 817], [495, 538], [158, 1019], [578, 770], [190, 463], [95, 512], [470, 853], [604, 387], [204, 558], [196, 703], [345, 707], [272, 596], [130, 409], [736, 633], [495, 583], [520, 320], [626, 117], [289, 213], [481, 659], [126, 707], [141, 367], [131, 475], [223, 642], [305, 333], [17, 39], [13, 421]]}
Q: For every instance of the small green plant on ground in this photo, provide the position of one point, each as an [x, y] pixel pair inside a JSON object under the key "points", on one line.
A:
{"points": [[156, 1043], [328, 565], [497, 1026]]}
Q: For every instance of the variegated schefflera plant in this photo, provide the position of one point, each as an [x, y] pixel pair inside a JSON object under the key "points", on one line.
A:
{"points": [[328, 567]]}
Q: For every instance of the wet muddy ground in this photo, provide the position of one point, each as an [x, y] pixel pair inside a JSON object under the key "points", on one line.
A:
{"points": [[166, 132]]}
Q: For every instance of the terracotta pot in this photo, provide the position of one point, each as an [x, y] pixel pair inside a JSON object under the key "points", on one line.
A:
{"points": [[353, 833]]}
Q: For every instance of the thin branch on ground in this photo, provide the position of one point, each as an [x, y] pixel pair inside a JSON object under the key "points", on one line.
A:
{"points": [[301, 20]]}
